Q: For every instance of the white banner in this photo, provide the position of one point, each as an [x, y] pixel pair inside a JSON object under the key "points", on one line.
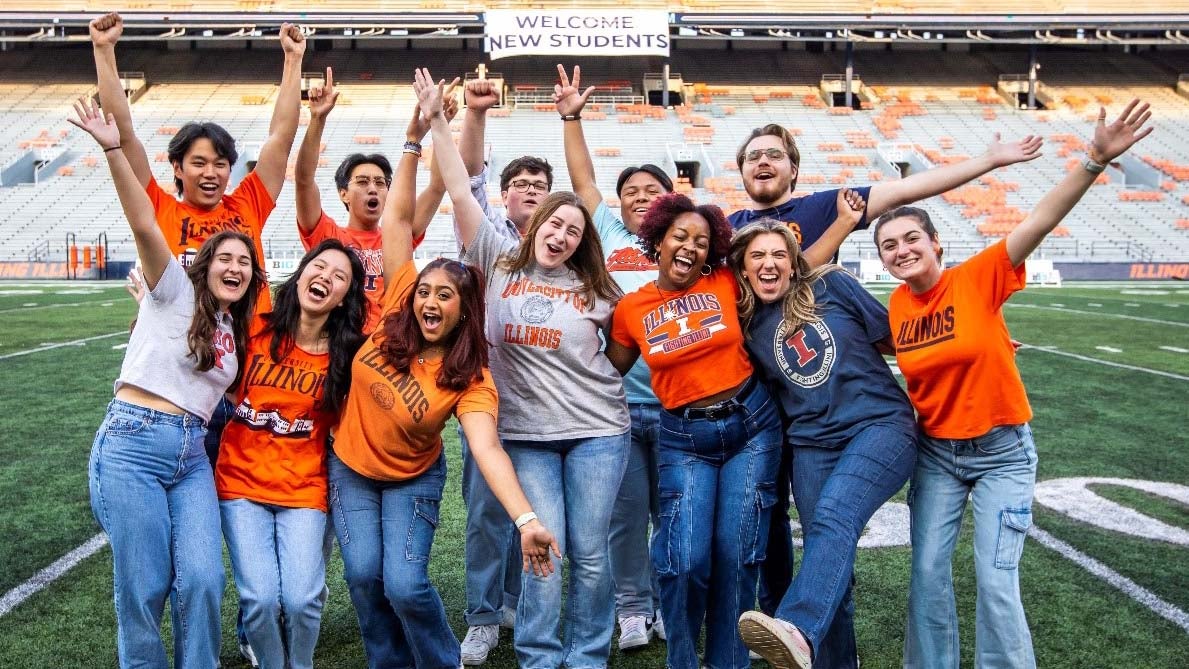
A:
{"points": [[579, 32]]}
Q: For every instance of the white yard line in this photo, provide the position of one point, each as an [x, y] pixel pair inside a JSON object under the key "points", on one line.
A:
{"points": [[1099, 314], [1174, 349], [106, 302], [43, 578], [1120, 582], [75, 342], [1109, 363]]}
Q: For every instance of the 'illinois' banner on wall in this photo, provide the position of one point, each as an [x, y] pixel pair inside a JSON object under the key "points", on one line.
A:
{"points": [[582, 32]]}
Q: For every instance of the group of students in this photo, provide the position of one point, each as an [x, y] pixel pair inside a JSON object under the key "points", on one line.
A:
{"points": [[665, 366]]}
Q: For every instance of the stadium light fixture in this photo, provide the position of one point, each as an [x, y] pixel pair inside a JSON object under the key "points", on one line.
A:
{"points": [[736, 32], [208, 33], [398, 32]]}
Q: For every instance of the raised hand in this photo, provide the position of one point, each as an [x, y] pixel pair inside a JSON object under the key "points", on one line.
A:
{"points": [[92, 121], [429, 95], [1112, 141], [450, 101], [135, 285], [322, 98], [418, 126], [567, 96], [535, 544], [1010, 153], [293, 41], [480, 95], [850, 207], [106, 30]]}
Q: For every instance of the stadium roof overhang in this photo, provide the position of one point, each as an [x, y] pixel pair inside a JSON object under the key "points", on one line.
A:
{"points": [[1068, 29]]}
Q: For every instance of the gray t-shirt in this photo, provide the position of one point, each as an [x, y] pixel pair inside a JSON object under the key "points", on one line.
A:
{"points": [[546, 354], [158, 358]]}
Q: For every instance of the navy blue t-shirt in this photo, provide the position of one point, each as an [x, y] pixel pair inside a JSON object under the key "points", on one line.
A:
{"points": [[808, 216], [830, 380]]}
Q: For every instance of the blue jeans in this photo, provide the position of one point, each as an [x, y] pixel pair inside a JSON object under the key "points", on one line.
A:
{"points": [[492, 548], [631, 570], [776, 573], [717, 482], [836, 491], [276, 556], [998, 472], [571, 484], [385, 531], [153, 492]]}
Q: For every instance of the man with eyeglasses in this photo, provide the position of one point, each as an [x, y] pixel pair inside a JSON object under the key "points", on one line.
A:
{"points": [[492, 556], [362, 181]]}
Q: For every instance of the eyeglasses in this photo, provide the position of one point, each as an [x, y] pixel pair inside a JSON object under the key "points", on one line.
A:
{"points": [[772, 153], [364, 182], [522, 186]]}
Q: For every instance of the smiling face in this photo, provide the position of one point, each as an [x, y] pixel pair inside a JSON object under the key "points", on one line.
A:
{"points": [[768, 181], [367, 187], [909, 253], [230, 272], [558, 236], [521, 205], [324, 282], [436, 305], [683, 251], [637, 194], [768, 266], [204, 174]]}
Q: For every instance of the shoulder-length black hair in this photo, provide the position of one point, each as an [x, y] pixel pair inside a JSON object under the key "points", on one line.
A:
{"points": [[399, 335], [201, 337], [344, 325]]}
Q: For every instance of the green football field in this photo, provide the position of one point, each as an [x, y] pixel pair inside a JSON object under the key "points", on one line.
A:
{"points": [[1107, 370]]}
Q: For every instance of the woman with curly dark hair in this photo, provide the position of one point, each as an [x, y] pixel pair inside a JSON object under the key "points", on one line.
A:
{"points": [[720, 435], [425, 362]]}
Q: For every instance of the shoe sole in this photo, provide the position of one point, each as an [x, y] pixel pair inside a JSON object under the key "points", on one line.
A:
{"points": [[473, 661], [632, 645], [760, 635]]}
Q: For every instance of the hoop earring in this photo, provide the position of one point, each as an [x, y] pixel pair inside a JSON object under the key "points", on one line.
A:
{"points": [[706, 271]]}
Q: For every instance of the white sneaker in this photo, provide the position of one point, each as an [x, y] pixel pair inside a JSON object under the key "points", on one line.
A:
{"points": [[777, 641], [246, 651], [480, 640], [634, 632], [508, 618], [658, 627]]}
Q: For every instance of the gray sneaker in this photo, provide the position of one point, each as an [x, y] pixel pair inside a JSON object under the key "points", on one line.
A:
{"points": [[480, 640], [249, 655], [658, 627], [634, 632]]}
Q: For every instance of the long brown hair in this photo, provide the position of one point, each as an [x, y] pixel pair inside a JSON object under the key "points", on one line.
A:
{"points": [[201, 336], [399, 335], [587, 261], [798, 306]]}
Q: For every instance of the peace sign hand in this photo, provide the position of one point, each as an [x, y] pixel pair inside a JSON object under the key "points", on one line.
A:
{"points": [[567, 96]]}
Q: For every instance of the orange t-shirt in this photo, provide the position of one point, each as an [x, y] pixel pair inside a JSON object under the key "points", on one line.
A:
{"points": [[954, 350], [245, 209], [368, 245], [690, 339], [392, 425], [273, 449]]}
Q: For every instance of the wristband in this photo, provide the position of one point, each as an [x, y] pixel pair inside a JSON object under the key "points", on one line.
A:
{"points": [[525, 519], [111, 148], [1093, 166], [572, 117], [413, 148]]}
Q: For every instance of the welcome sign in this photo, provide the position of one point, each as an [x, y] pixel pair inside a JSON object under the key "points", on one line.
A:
{"points": [[578, 32]]}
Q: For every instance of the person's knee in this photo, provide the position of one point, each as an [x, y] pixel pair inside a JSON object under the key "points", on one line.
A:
{"points": [[201, 579], [406, 589]]}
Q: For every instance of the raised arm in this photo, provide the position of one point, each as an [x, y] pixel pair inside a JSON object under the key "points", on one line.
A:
{"points": [[1110, 142], [536, 541], [396, 225], [429, 199], [151, 246], [479, 95], [887, 195], [105, 32], [309, 199], [850, 209], [570, 101], [274, 155], [467, 213]]}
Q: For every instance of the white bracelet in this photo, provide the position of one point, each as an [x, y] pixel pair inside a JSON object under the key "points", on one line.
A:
{"points": [[525, 519]]}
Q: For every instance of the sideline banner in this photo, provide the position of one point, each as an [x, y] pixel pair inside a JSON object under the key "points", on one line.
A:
{"points": [[577, 32]]}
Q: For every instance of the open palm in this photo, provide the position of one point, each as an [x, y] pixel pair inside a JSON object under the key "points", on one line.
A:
{"points": [[92, 120], [1111, 141]]}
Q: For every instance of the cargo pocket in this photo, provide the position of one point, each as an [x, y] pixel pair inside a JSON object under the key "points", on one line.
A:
{"points": [[1013, 526], [667, 533], [760, 517], [422, 527]]}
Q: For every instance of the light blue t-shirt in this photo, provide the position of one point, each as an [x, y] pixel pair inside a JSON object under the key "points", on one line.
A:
{"points": [[631, 270]]}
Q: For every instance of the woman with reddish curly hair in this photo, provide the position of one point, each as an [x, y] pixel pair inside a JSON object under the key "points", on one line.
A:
{"points": [[720, 434]]}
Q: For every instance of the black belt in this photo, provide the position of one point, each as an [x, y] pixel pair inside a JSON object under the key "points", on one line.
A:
{"points": [[719, 410]]}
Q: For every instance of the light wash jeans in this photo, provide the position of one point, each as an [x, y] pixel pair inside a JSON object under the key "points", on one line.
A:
{"points": [[277, 559], [636, 504], [153, 492], [836, 491], [571, 484], [385, 531], [717, 483], [492, 548], [998, 472]]}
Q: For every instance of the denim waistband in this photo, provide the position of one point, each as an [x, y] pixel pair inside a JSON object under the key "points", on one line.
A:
{"points": [[721, 409], [155, 416]]}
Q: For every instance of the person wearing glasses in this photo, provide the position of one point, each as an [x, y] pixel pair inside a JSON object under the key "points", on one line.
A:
{"points": [[492, 559], [770, 163], [362, 181]]}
